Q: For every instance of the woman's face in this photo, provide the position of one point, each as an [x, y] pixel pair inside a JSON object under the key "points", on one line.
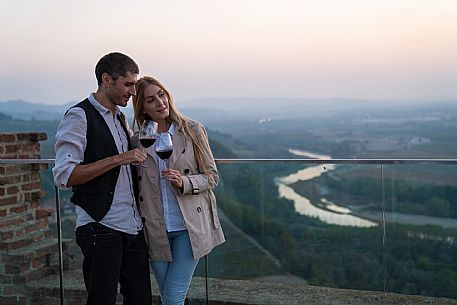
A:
{"points": [[155, 103]]}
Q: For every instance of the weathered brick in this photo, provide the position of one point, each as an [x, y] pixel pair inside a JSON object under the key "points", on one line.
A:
{"points": [[7, 138], [26, 177], [43, 213], [29, 148], [8, 201], [37, 274], [19, 232], [10, 289], [12, 300], [35, 227], [27, 196], [39, 166], [11, 222], [31, 136], [22, 155], [14, 244], [30, 199], [9, 180], [5, 279], [18, 168], [52, 248], [35, 195], [37, 262], [30, 217], [48, 234], [18, 279], [38, 136], [6, 235], [18, 209], [31, 186], [23, 136], [33, 204], [39, 237], [2, 191], [13, 148], [3, 212], [15, 268], [32, 176], [12, 190]]}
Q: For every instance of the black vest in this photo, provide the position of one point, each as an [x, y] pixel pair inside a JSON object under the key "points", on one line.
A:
{"points": [[96, 196]]}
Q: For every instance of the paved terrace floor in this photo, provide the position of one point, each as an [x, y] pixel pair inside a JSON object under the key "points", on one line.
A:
{"points": [[236, 292]]}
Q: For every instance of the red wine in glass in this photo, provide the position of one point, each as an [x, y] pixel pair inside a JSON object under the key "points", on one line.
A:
{"points": [[164, 154], [147, 142], [148, 135]]}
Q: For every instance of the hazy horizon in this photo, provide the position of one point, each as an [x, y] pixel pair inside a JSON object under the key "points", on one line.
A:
{"points": [[397, 50], [205, 102]]}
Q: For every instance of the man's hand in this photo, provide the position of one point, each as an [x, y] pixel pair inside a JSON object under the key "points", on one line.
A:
{"points": [[132, 156]]}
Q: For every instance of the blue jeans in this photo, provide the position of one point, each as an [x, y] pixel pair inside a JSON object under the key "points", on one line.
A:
{"points": [[112, 257], [173, 278]]}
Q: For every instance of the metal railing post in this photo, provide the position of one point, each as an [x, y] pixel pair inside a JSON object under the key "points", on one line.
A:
{"points": [[206, 280], [384, 236], [59, 239]]}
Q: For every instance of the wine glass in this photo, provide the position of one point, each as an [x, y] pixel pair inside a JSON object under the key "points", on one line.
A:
{"points": [[147, 137], [164, 147], [148, 133]]}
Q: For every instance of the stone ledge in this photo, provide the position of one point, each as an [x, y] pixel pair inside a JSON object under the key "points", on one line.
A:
{"points": [[238, 292]]}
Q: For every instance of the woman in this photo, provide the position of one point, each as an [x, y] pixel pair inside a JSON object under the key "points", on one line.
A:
{"points": [[179, 212]]}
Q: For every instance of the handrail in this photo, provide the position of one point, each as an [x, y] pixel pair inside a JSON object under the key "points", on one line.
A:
{"points": [[27, 161], [297, 160]]}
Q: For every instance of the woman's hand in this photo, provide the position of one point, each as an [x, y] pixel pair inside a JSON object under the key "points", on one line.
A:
{"points": [[173, 176]]}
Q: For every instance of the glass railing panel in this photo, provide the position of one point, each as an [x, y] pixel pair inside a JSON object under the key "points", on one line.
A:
{"points": [[421, 216], [296, 224], [292, 230]]}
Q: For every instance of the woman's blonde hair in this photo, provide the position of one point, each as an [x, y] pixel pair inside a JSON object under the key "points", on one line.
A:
{"points": [[181, 123]]}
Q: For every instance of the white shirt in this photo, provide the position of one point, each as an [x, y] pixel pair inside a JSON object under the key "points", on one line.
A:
{"points": [[172, 215], [70, 146]]}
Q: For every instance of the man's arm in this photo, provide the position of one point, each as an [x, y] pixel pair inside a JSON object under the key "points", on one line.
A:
{"points": [[70, 146], [84, 173]]}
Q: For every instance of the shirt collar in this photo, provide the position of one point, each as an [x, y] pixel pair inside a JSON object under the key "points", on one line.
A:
{"points": [[102, 109], [171, 130]]}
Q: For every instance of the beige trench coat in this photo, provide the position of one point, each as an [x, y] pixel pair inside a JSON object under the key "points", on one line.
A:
{"points": [[197, 202]]}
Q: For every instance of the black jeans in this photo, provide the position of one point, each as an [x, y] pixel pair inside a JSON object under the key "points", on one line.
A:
{"points": [[112, 257]]}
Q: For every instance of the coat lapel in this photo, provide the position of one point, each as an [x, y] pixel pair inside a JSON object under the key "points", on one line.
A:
{"points": [[179, 145], [150, 151]]}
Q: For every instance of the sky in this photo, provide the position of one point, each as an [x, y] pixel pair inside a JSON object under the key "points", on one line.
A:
{"points": [[366, 49]]}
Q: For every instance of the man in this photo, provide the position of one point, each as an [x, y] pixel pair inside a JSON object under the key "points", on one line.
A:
{"points": [[94, 157]]}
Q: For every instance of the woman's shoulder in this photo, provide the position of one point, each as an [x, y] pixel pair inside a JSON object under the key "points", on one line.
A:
{"points": [[195, 125]]}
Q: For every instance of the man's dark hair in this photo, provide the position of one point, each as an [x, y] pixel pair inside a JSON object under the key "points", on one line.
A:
{"points": [[115, 64]]}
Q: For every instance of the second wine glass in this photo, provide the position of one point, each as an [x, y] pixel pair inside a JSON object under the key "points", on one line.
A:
{"points": [[164, 146]]}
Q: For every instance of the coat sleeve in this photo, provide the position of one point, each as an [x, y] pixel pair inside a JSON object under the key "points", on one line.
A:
{"points": [[204, 181]]}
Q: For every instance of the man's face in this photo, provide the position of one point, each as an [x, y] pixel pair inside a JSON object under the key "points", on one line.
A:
{"points": [[120, 90]]}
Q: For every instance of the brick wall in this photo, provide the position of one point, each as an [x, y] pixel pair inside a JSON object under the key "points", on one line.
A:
{"points": [[26, 244]]}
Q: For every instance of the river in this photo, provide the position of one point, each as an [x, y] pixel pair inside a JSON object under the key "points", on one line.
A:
{"points": [[334, 214], [338, 215]]}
